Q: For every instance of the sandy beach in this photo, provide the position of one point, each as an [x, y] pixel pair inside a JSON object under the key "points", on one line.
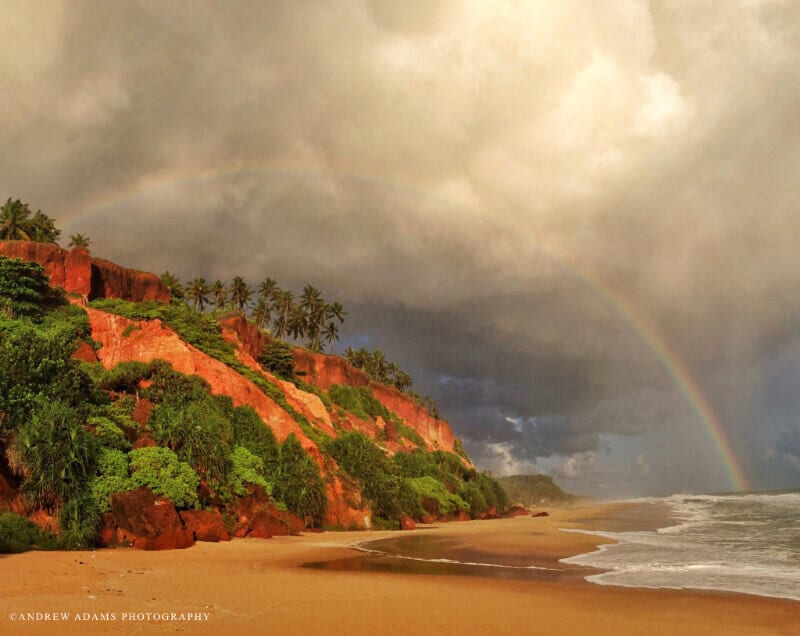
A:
{"points": [[266, 586]]}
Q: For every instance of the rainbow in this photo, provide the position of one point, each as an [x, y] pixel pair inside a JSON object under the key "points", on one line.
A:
{"points": [[645, 329]]}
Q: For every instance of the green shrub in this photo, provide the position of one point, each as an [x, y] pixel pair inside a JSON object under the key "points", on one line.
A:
{"points": [[80, 520], [379, 523], [125, 377], [58, 456], [360, 401], [360, 458], [278, 357], [250, 432], [18, 534], [449, 504], [25, 287], [471, 493], [112, 478], [108, 433], [198, 431], [38, 368], [458, 447], [246, 468], [297, 482], [160, 470], [405, 431]]}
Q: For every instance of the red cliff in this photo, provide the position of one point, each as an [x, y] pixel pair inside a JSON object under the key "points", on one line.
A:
{"points": [[78, 273], [327, 370], [126, 340]]}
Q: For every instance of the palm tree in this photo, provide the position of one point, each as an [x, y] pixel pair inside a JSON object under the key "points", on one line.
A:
{"points": [[296, 325], [43, 229], [315, 308], [335, 311], [351, 355], [219, 293], [240, 292], [261, 314], [403, 380], [79, 241], [380, 366], [363, 360], [171, 282], [282, 304], [198, 292], [267, 288], [331, 334], [14, 223]]}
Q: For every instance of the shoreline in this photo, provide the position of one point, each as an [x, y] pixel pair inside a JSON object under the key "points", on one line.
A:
{"points": [[252, 585]]}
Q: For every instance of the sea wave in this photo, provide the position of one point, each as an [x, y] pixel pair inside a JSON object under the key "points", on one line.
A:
{"points": [[747, 543]]}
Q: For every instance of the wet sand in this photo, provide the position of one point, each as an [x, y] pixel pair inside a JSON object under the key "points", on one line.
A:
{"points": [[280, 585]]}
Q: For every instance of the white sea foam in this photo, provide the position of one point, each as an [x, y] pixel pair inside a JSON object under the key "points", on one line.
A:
{"points": [[359, 545], [739, 543]]}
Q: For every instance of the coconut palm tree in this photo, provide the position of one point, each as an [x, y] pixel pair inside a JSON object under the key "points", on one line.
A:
{"points": [[267, 288], [335, 310], [402, 380], [171, 282], [351, 355], [14, 223], [198, 293], [79, 241], [314, 306], [219, 293], [364, 360], [282, 304], [261, 314], [240, 292], [296, 323], [380, 366], [331, 334]]}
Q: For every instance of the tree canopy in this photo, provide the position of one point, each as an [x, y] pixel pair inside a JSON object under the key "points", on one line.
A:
{"points": [[18, 223]]}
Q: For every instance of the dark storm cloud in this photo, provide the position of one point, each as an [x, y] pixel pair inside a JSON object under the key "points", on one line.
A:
{"points": [[462, 176]]}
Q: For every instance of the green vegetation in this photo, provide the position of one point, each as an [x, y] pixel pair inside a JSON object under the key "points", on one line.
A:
{"points": [[378, 368], [56, 455], [406, 432], [160, 470], [24, 289], [71, 444], [297, 482], [108, 433], [198, 431], [278, 357], [17, 224], [534, 489], [113, 477], [312, 319], [360, 401], [18, 534], [395, 486], [79, 241], [449, 503], [246, 468]]}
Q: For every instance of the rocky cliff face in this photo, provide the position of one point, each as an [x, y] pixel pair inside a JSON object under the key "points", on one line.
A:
{"points": [[78, 273], [146, 340], [326, 370], [125, 340]]}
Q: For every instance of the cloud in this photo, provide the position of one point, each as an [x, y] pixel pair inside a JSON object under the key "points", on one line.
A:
{"points": [[469, 178]]}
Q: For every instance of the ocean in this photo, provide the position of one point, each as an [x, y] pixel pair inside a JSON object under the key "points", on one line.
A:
{"points": [[737, 543]]}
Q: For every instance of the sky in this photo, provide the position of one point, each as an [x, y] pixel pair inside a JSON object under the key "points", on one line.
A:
{"points": [[539, 209]]}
